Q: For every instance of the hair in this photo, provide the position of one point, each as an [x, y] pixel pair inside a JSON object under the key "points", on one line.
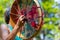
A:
{"points": [[7, 15]]}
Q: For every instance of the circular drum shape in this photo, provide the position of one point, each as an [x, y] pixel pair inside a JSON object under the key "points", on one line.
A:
{"points": [[32, 11]]}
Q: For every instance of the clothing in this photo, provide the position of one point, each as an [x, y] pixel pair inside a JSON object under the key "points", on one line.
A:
{"points": [[29, 31], [11, 28]]}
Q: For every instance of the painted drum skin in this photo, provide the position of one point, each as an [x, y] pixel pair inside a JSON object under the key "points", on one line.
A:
{"points": [[32, 11]]}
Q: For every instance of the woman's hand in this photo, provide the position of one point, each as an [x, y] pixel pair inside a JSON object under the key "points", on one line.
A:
{"points": [[20, 21], [19, 25]]}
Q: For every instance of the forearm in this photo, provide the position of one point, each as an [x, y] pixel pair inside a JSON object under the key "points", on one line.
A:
{"points": [[17, 27], [12, 35]]}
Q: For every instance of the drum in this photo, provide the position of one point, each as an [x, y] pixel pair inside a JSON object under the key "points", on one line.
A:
{"points": [[32, 11]]}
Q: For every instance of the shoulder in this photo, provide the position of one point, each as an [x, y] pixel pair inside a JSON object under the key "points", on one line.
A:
{"points": [[4, 30], [4, 27]]}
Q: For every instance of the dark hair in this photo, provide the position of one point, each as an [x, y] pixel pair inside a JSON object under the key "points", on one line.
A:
{"points": [[7, 15]]}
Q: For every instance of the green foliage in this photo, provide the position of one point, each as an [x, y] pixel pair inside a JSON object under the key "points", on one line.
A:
{"points": [[1, 10], [1, 20], [3, 5], [48, 26], [48, 6]]}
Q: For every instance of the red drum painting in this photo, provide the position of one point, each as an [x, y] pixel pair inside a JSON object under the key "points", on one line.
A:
{"points": [[32, 11]]}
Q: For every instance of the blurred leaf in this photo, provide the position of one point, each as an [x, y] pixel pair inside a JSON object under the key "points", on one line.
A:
{"points": [[46, 19]]}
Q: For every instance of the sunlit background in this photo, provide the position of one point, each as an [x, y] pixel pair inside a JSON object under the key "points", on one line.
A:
{"points": [[51, 27]]}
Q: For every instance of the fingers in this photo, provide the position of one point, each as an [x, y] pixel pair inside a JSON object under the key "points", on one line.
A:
{"points": [[20, 21], [22, 17]]}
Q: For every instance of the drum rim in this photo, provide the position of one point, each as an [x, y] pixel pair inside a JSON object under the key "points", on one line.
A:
{"points": [[13, 24]]}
